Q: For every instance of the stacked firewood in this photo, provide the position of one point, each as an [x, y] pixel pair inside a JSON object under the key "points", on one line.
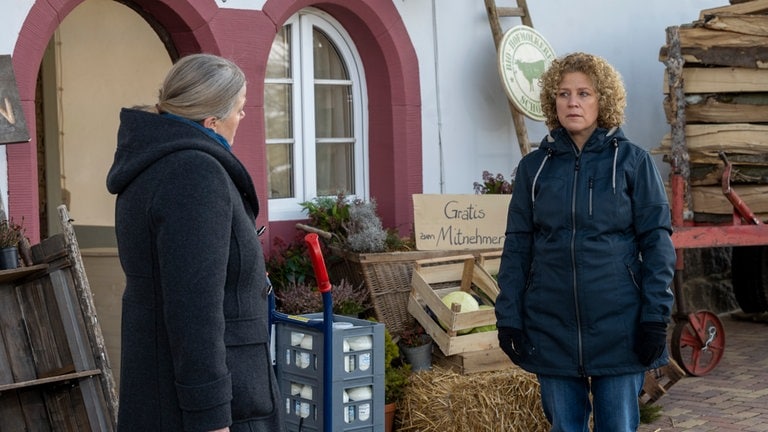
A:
{"points": [[723, 107]]}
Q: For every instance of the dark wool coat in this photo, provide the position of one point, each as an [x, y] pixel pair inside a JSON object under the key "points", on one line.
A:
{"points": [[587, 255], [195, 340]]}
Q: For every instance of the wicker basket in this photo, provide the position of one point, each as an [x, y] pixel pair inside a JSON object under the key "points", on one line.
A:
{"points": [[387, 276]]}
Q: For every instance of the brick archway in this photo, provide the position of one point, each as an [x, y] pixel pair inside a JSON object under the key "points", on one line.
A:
{"points": [[246, 37]]}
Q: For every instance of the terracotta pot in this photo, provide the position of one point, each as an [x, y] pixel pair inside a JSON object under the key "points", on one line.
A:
{"points": [[389, 416]]}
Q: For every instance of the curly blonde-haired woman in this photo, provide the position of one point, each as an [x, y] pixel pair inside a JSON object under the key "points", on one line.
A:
{"points": [[588, 259]]}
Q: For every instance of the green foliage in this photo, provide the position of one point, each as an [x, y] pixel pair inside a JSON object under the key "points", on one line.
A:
{"points": [[396, 373], [289, 264], [329, 214], [354, 225], [495, 184], [649, 413]]}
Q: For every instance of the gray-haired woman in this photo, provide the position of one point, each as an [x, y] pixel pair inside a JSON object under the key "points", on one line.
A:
{"points": [[195, 345]]}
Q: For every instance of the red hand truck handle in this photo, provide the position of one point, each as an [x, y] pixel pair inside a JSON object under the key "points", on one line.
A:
{"points": [[321, 274]]}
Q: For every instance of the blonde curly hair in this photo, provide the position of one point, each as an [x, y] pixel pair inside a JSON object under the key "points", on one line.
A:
{"points": [[612, 97]]}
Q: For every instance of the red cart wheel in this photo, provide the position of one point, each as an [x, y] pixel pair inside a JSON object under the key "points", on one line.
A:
{"points": [[698, 344]]}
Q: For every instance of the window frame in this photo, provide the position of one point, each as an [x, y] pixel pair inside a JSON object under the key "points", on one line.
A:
{"points": [[302, 83]]}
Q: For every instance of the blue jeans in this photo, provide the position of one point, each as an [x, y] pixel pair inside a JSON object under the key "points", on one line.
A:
{"points": [[567, 405]]}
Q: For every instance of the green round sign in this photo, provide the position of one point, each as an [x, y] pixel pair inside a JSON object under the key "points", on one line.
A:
{"points": [[523, 57]]}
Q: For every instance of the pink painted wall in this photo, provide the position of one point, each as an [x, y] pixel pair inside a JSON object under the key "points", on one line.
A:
{"points": [[246, 37]]}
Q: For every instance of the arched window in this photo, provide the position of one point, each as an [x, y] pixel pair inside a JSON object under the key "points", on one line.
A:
{"points": [[314, 105]]}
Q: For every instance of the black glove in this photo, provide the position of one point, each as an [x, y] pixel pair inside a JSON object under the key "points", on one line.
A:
{"points": [[514, 343], [650, 341]]}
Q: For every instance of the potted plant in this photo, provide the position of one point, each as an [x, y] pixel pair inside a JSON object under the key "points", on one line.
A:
{"points": [[416, 346], [396, 375], [495, 184], [11, 234], [368, 253]]}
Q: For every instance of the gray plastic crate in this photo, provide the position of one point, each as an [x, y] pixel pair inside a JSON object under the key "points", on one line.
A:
{"points": [[304, 410], [358, 351], [357, 363]]}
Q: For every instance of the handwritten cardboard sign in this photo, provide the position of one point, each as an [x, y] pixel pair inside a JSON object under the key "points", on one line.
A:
{"points": [[13, 128], [456, 222]]}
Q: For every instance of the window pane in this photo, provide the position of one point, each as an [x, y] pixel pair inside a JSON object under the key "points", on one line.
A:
{"points": [[279, 62], [277, 111], [335, 168], [279, 161], [328, 64], [333, 111]]}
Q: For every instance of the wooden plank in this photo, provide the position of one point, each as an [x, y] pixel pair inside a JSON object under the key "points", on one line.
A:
{"points": [[751, 7], [11, 417], [15, 337], [49, 380], [67, 408], [753, 57], [80, 348], [474, 361], [746, 24], [741, 138], [722, 108], [710, 199], [12, 275], [701, 45], [49, 349], [25, 410], [711, 174], [704, 37], [36, 416], [722, 80], [93, 329]]}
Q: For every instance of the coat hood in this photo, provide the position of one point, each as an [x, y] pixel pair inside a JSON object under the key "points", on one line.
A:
{"points": [[559, 141], [146, 137]]}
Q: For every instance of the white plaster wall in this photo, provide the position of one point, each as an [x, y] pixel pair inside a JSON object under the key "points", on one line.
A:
{"points": [[475, 131]]}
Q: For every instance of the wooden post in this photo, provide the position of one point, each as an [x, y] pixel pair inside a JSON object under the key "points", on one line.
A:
{"points": [[92, 326]]}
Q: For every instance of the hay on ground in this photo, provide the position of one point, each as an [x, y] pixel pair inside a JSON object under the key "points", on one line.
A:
{"points": [[442, 400]]}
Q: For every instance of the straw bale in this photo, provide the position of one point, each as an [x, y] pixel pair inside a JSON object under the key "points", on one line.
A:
{"points": [[442, 400]]}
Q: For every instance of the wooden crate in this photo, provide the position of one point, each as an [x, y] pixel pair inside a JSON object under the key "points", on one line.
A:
{"points": [[658, 381], [490, 262], [387, 277], [54, 371], [473, 361], [434, 278]]}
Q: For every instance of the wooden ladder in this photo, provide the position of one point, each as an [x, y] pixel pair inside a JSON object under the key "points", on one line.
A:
{"points": [[495, 13]]}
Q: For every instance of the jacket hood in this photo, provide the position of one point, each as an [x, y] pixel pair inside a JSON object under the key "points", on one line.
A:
{"points": [[559, 141], [146, 137]]}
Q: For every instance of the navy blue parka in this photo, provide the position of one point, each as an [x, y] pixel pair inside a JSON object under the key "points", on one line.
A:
{"points": [[587, 254]]}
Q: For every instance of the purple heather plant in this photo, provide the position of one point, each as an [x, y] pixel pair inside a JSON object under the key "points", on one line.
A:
{"points": [[495, 184]]}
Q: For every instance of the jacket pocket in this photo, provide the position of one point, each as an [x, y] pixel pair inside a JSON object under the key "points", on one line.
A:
{"points": [[254, 392]]}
